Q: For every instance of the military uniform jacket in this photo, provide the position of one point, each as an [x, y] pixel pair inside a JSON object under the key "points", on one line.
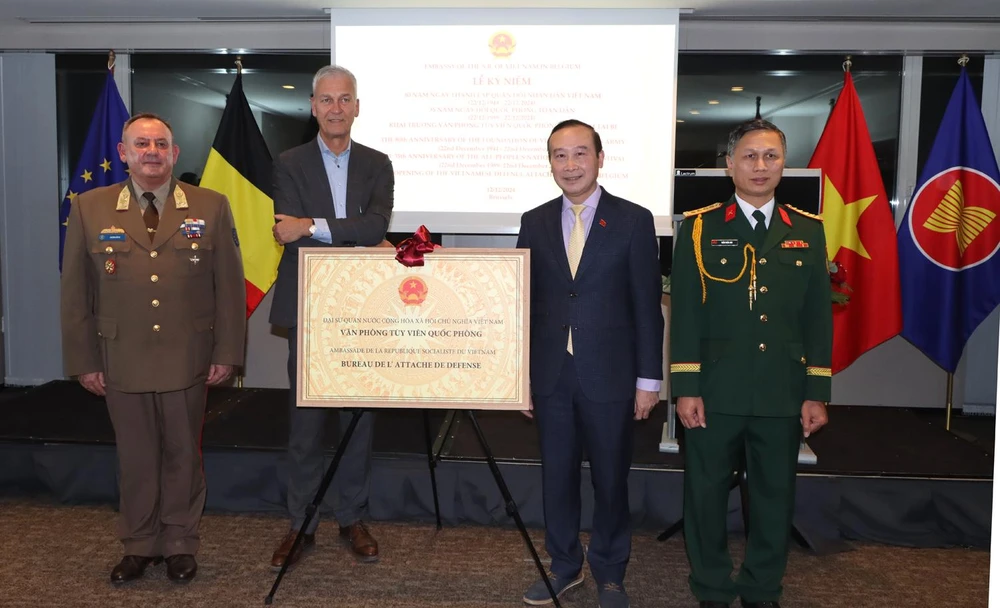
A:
{"points": [[152, 316], [750, 328]]}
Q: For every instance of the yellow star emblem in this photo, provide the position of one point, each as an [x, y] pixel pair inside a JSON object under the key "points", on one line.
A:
{"points": [[87, 176], [72, 196], [840, 219], [106, 165]]}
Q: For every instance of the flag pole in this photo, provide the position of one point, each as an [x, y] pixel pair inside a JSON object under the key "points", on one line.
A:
{"points": [[962, 61], [951, 387], [239, 72]]}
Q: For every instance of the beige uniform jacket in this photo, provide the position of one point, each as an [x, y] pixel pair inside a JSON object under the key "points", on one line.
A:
{"points": [[153, 316]]}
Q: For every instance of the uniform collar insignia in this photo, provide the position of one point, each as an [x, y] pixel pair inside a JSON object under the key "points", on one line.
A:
{"points": [[731, 212], [180, 199], [123, 199], [784, 216]]}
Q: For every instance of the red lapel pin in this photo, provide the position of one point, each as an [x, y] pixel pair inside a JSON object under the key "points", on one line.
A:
{"points": [[602, 223]]}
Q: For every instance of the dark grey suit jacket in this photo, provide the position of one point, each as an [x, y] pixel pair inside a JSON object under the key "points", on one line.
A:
{"points": [[302, 189], [613, 303]]}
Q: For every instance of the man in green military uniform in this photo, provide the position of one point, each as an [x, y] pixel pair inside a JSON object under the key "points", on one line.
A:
{"points": [[751, 341]]}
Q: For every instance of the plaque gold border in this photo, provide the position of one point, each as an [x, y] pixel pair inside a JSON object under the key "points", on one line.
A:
{"points": [[519, 301]]}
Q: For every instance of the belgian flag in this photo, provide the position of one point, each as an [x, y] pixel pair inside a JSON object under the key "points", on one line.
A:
{"points": [[239, 166]]}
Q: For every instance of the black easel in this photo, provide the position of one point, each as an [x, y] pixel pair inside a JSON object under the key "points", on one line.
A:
{"points": [[511, 506], [328, 478], [432, 464]]}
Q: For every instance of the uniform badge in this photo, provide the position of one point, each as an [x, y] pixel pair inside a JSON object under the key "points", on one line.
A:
{"points": [[180, 199], [725, 242], [193, 228], [111, 234], [794, 245], [731, 212], [109, 266], [236, 239], [784, 216]]}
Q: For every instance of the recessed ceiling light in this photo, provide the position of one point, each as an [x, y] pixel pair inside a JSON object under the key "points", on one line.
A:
{"points": [[713, 102], [287, 86], [736, 89], [680, 120], [695, 112]]}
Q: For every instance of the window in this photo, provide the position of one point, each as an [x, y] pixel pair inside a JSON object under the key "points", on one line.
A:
{"points": [[797, 92], [189, 90], [79, 82], [938, 83]]}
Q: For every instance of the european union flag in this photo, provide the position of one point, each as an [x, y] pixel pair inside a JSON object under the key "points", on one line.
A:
{"points": [[99, 163], [948, 241]]}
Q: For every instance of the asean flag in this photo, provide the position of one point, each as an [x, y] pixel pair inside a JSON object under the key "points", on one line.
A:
{"points": [[949, 237], [860, 231]]}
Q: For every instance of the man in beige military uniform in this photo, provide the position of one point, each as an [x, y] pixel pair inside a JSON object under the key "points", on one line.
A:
{"points": [[153, 310]]}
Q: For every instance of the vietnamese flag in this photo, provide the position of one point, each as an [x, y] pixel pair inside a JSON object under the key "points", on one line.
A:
{"points": [[239, 166], [860, 231]]}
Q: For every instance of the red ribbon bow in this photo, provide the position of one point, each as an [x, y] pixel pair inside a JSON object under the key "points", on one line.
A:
{"points": [[410, 252]]}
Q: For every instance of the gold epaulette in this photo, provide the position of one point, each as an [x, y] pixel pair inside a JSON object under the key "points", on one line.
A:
{"points": [[702, 210], [806, 213]]}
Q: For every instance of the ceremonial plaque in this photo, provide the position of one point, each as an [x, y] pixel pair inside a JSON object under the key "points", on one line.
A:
{"points": [[452, 333]]}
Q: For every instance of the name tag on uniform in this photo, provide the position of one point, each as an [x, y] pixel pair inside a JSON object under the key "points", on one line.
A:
{"points": [[193, 228], [725, 242], [794, 245], [112, 234]]}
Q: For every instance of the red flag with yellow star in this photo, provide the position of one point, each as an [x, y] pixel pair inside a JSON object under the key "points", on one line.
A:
{"points": [[860, 231]]}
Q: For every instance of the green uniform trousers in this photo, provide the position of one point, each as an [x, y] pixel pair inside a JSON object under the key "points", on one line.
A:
{"points": [[771, 446]]}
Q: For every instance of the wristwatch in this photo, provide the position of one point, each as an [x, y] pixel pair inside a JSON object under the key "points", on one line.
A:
{"points": [[312, 229]]}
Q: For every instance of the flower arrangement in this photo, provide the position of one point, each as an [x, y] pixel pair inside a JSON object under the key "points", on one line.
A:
{"points": [[839, 288], [665, 280]]}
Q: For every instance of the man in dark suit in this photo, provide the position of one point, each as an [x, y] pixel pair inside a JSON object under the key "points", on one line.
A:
{"points": [[153, 309], [596, 357], [329, 192], [750, 349]]}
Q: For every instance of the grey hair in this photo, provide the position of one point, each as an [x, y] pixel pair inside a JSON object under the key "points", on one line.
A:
{"points": [[756, 124], [334, 70]]}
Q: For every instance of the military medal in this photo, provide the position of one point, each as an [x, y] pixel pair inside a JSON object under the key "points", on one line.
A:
{"points": [[193, 228], [794, 244], [109, 266]]}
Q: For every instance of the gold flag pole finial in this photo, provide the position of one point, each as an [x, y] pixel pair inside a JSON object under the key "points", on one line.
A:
{"points": [[963, 60], [847, 64], [111, 60], [239, 65]]}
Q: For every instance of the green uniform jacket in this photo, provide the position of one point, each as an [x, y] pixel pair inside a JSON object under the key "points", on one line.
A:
{"points": [[755, 358]]}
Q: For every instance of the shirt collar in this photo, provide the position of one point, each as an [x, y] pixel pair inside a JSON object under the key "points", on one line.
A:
{"points": [[748, 209], [591, 200], [161, 193], [326, 151]]}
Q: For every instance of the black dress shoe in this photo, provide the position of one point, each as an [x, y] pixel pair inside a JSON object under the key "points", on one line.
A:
{"points": [[131, 568], [710, 604], [767, 604], [181, 568]]}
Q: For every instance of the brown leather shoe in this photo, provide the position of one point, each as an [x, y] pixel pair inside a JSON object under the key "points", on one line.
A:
{"points": [[363, 545], [281, 553], [132, 567]]}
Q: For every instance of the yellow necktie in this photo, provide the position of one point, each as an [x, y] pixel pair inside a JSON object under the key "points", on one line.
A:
{"points": [[574, 252]]}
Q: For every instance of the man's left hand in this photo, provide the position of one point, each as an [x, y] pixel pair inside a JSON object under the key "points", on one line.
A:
{"points": [[288, 229], [645, 401], [217, 374], [813, 416]]}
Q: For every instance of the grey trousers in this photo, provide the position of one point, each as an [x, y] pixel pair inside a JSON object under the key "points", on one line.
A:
{"points": [[347, 496]]}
